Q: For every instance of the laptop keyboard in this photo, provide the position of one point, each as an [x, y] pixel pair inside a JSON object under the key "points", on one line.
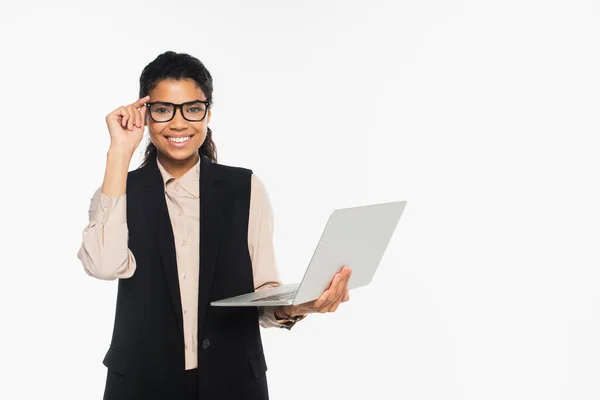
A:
{"points": [[277, 297]]}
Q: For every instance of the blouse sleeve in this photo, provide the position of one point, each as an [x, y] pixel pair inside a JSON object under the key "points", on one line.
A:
{"points": [[104, 253]]}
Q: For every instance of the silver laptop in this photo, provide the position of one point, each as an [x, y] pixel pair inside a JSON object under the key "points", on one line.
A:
{"points": [[356, 237]]}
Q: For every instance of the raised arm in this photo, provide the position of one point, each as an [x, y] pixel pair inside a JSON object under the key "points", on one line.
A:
{"points": [[104, 253]]}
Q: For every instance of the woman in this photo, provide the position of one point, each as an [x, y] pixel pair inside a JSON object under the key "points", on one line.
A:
{"points": [[179, 232]]}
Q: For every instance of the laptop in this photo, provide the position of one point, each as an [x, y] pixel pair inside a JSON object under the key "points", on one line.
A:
{"points": [[356, 237]]}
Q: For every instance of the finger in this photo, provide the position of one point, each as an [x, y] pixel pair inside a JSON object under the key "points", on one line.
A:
{"points": [[140, 108], [324, 306], [347, 276], [346, 296], [322, 300], [332, 283], [131, 120], [143, 115], [334, 306], [122, 112], [139, 103], [117, 114], [333, 291], [342, 290], [134, 117], [341, 284], [333, 297], [336, 284], [138, 119]]}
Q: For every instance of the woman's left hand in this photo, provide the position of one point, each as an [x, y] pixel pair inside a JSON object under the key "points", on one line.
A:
{"points": [[329, 300]]}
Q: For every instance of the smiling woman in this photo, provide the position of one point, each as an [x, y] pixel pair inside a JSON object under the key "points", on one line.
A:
{"points": [[180, 111], [179, 232]]}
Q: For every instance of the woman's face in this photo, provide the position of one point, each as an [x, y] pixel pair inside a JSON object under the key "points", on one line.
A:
{"points": [[177, 140]]}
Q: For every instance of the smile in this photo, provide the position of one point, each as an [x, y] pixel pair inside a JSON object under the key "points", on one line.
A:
{"points": [[179, 139]]}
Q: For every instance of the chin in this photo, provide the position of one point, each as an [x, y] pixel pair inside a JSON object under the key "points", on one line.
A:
{"points": [[180, 155]]}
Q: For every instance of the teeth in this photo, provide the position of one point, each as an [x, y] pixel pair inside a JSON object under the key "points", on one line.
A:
{"points": [[179, 140]]}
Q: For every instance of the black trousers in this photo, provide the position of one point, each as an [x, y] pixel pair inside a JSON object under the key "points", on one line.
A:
{"points": [[191, 384]]}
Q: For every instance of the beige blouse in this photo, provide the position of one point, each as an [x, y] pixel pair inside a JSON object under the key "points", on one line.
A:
{"points": [[104, 253]]}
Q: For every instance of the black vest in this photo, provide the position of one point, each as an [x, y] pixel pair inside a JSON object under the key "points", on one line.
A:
{"points": [[146, 355]]}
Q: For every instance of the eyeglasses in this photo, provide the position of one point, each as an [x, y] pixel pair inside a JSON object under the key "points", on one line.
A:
{"points": [[193, 111]]}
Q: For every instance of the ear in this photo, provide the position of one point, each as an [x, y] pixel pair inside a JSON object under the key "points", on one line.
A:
{"points": [[208, 115]]}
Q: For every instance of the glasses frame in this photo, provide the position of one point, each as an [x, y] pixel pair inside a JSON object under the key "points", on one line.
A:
{"points": [[180, 106]]}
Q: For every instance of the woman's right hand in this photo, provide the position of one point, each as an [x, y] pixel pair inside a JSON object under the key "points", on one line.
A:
{"points": [[126, 125]]}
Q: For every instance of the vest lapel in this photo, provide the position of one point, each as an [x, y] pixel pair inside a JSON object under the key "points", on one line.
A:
{"points": [[211, 202], [155, 207], [211, 209]]}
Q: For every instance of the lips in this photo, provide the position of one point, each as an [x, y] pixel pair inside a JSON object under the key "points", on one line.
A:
{"points": [[179, 139]]}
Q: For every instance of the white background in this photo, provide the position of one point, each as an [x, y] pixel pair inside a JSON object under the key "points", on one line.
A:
{"points": [[483, 115]]}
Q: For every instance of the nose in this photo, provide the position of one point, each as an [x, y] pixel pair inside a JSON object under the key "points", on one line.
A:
{"points": [[178, 121]]}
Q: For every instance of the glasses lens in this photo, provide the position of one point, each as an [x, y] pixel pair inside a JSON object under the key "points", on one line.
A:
{"points": [[161, 112], [194, 111]]}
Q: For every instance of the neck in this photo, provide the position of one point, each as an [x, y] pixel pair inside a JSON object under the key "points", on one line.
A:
{"points": [[178, 168]]}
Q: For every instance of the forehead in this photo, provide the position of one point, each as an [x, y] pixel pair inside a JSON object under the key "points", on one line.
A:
{"points": [[176, 91]]}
